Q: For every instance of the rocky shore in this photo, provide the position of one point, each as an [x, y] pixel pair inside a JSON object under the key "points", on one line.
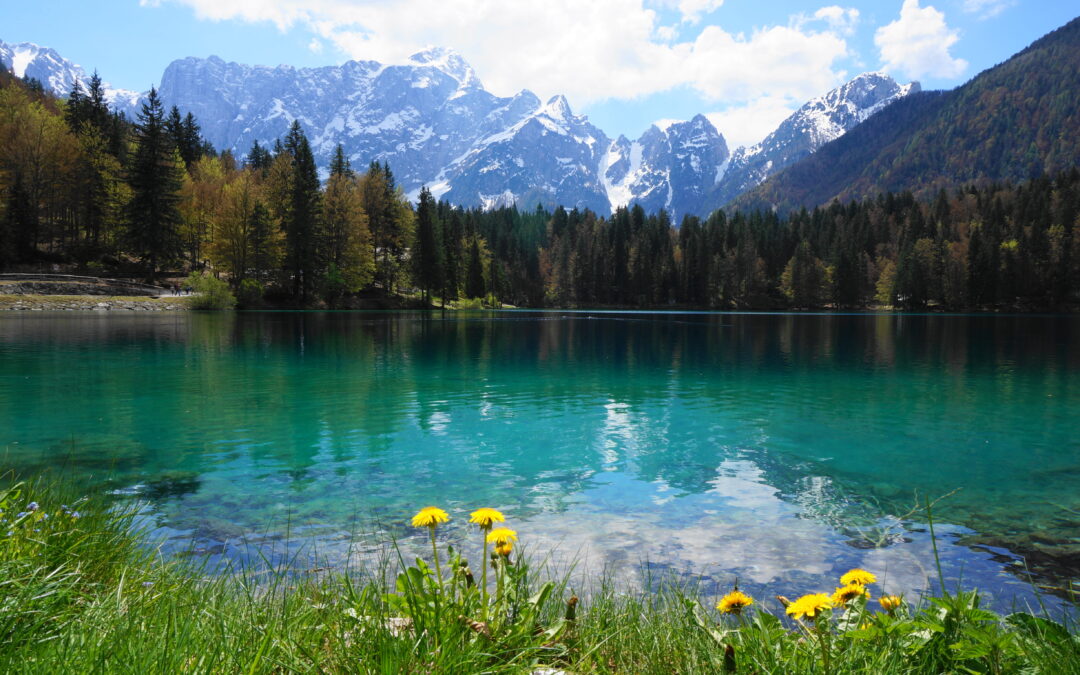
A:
{"points": [[52, 303]]}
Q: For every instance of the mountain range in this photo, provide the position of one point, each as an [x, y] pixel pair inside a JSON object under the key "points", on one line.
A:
{"points": [[1015, 121], [434, 122]]}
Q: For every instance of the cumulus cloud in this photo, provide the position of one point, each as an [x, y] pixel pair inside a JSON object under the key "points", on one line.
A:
{"points": [[750, 123], [840, 19], [591, 51], [917, 44]]}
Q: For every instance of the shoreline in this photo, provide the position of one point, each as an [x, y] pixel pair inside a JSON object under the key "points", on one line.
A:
{"points": [[41, 303]]}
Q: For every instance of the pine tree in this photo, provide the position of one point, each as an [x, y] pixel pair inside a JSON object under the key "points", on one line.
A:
{"points": [[453, 253], [191, 145], [97, 108], [339, 165], [301, 218], [474, 281], [155, 177], [259, 158], [16, 228], [427, 250], [75, 110]]}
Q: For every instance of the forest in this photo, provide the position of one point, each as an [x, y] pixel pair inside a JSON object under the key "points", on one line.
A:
{"points": [[84, 189]]}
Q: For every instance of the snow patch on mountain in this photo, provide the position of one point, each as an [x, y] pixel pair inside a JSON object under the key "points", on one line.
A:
{"points": [[56, 74], [433, 122], [816, 123]]}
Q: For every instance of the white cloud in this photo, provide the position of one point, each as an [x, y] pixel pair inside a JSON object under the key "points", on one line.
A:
{"points": [[987, 8], [918, 43], [750, 123], [840, 19], [589, 51], [692, 10], [316, 45]]}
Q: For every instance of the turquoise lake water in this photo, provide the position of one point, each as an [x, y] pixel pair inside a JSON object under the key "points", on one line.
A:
{"points": [[780, 449]]}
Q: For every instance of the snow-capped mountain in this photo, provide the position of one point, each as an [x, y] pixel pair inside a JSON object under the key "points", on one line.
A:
{"points": [[671, 167], [55, 73], [434, 123], [821, 120], [548, 155]]}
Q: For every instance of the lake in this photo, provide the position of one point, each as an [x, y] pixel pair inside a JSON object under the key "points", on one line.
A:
{"points": [[778, 449]]}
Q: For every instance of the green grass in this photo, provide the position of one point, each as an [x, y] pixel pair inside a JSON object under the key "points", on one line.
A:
{"points": [[85, 594]]}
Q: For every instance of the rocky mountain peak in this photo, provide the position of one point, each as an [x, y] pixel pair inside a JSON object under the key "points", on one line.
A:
{"points": [[817, 122], [450, 62], [431, 119]]}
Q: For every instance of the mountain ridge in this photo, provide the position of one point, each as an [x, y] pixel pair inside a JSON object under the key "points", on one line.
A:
{"points": [[432, 120], [1013, 121]]}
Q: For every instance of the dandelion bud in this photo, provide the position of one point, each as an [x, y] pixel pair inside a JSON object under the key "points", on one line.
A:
{"points": [[571, 608], [478, 627]]}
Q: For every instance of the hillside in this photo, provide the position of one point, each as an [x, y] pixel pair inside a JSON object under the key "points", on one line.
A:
{"points": [[1014, 121]]}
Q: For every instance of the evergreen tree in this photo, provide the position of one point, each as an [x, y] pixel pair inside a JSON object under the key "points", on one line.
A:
{"points": [[155, 178], [16, 228], [339, 165], [75, 110], [427, 249], [453, 252], [474, 281], [264, 242], [97, 108], [191, 144], [259, 158], [301, 218]]}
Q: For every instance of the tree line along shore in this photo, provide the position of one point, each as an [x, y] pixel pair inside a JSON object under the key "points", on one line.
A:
{"points": [[84, 189]]}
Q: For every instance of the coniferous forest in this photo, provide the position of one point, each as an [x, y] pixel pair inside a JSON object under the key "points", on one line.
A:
{"points": [[84, 189]]}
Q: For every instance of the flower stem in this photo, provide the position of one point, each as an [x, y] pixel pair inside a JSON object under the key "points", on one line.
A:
{"points": [[484, 562], [435, 554], [823, 642]]}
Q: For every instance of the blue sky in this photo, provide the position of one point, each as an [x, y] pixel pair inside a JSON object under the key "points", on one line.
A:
{"points": [[625, 63]]}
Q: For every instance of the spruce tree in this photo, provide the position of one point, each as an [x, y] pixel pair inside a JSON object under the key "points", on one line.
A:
{"points": [[97, 108], [474, 281], [17, 227], [155, 177], [191, 144], [427, 253], [339, 165], [75, 110], [301, 221]]}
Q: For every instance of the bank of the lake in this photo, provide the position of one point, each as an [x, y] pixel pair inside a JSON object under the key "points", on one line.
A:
{"points": [[97, 303], [83, 593]]}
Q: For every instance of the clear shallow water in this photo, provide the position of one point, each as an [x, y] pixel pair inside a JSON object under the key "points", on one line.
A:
{"points": [[781, 449]]}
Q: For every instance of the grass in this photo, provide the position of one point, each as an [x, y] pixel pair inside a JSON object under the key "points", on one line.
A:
{"points": [[80, 592]]}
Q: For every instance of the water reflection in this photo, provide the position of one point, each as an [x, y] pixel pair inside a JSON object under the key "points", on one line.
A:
{"points": [[776, 447]]}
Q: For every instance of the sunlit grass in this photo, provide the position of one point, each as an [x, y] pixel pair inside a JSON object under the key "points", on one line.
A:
{"points": [[81, 592]]}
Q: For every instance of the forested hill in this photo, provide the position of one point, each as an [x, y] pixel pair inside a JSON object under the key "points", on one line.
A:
{"points": [[1014, 121]]}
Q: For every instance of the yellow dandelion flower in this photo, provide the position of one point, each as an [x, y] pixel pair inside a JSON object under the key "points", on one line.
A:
{"points": [[429, 516], [846, 594], [734, 602], [890, 602], [858, 576], [486, 517], [504, 549], [501, 536], [809, 605]]}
